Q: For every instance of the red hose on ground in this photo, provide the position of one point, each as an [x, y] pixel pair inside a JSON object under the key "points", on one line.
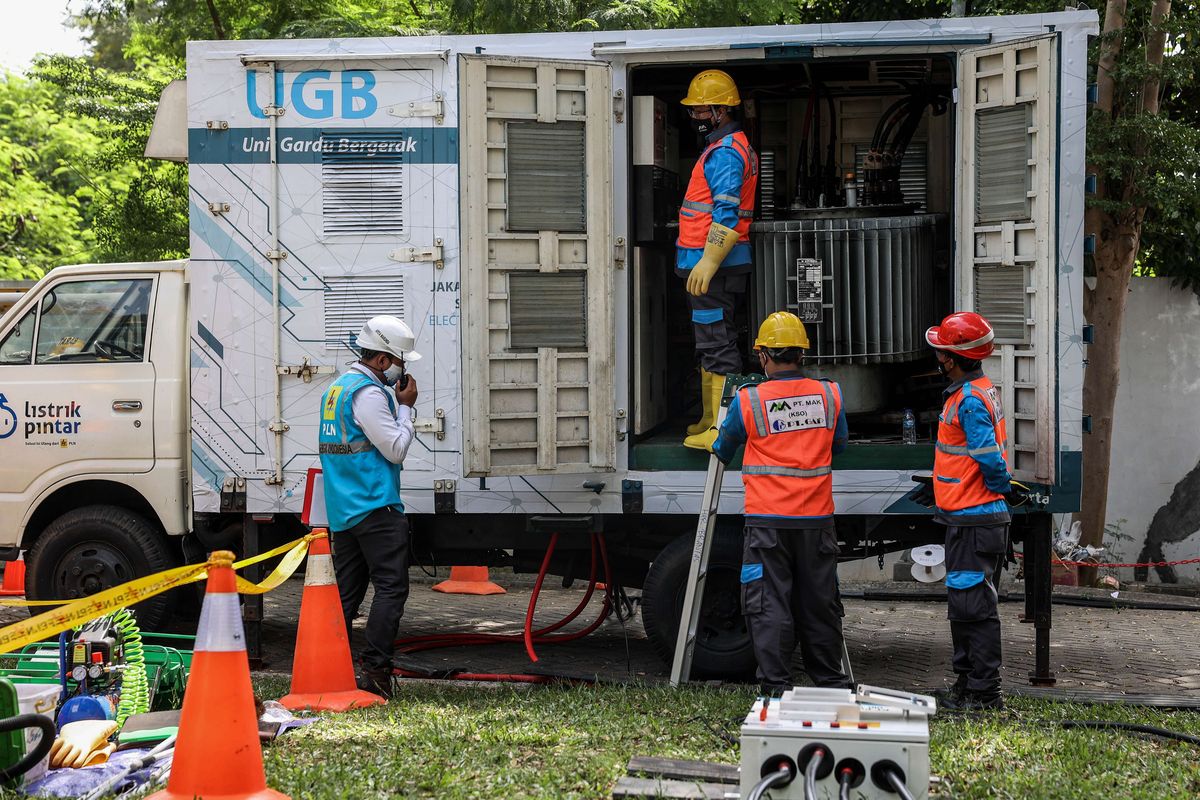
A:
{"points": [[416, 644], [537, 589], [439, 637]]}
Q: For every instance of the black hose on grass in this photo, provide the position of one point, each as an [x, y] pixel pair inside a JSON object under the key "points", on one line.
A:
{"points": [[1131, 727]]}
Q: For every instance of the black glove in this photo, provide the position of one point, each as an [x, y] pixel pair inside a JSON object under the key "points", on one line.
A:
{"points": [[1017, 494], [923, 494]]}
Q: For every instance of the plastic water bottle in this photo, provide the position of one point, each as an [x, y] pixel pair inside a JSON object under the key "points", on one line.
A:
{"points": [[908, 429]]}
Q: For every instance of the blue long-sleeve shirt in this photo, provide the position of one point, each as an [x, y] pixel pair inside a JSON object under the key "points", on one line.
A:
{"points": [[723, 169], [980, 431]]}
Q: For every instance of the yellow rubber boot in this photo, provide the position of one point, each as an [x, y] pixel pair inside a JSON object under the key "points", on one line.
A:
{"points": [[706, 419], [704, 441]]}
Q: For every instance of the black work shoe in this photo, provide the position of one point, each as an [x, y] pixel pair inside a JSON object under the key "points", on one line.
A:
{"points": [[954, 693], [377, 681], [972, 700]]}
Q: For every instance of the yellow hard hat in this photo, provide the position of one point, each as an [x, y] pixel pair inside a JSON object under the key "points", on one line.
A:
{"points": [[781, 329], [712, 87]]}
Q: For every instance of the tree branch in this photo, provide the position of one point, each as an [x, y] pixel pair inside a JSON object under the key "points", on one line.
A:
{"points": [[218, 27], [1113, 36], [1156, 45]]}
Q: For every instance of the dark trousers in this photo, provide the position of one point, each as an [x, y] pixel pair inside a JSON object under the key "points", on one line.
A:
{"points": [[374, 552], [713, 323], [790, 592], [974, 556]]}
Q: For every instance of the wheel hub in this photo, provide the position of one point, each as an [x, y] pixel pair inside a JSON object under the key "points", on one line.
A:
{"points": [[90, 568]]}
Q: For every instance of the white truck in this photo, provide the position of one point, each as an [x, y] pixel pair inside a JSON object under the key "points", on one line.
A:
{"points": [[515, 197]]}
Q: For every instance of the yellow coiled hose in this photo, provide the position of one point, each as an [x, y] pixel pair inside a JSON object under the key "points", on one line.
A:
{"points": [[135, 690]]}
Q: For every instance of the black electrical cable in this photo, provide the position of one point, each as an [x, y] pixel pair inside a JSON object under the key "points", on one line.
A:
{"points": [[773, 779], [897, 784], [844, 781], [810, 774], [30, 760], [1131, 727]]}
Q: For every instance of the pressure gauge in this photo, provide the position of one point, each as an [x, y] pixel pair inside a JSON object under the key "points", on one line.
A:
{"points": [[95, 671], [79, 673]]}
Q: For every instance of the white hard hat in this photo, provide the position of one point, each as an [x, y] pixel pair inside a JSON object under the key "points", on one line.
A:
{"points": [[389, 335]]}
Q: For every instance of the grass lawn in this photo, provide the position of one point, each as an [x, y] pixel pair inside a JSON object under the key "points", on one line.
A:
{"points": [[459, 741]]}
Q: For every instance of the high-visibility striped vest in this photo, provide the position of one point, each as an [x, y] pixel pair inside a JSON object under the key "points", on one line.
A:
{"points": [[695, 214], [958, 481], [788, 464], [358, 479]]}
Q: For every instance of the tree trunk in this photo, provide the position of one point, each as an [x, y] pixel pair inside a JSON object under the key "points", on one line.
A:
{"points": [[1104, 307], [1156, 44], [1117, 242], [218, 27]]}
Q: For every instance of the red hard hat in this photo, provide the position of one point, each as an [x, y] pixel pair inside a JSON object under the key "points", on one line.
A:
{"points": [[965, 333]]}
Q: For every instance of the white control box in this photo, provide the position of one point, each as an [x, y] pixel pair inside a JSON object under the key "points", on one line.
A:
{"points": [[870, 732]]}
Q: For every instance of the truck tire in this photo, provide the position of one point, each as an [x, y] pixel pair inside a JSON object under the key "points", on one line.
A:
{"points": [[723, 648], [94, 548]]}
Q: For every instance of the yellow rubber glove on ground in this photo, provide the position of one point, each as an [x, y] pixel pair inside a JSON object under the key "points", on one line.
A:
{"points": [[717, 246], [79, 740]]}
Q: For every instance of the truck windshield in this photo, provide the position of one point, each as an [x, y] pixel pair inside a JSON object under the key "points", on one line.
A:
{"points": [[94, 321]]}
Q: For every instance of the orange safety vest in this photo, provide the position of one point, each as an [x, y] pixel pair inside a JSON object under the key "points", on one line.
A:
{"points": [[958, 481], [695, 215], [788, 465]]}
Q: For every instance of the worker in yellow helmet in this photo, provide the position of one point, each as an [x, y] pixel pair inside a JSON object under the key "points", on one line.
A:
{"points": [[713, 249], [792, 426]]}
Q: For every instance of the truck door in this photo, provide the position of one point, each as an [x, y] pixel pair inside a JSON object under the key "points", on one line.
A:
{"points": [[77, 385], [538, 255], [1005, 235]]}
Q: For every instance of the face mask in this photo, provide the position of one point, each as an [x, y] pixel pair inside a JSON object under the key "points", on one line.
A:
{"points": [[702, 127], [392, 374]]}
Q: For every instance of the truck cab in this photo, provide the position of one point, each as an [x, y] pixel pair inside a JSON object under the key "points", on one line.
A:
{"points": [[94, 430]]}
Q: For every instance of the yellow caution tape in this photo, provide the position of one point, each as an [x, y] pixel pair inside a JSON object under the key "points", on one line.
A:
{"points": [[49, 623], [72, 613]]}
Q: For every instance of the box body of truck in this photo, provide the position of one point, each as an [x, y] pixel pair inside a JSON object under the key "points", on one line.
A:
{"points": [[488, 190]]}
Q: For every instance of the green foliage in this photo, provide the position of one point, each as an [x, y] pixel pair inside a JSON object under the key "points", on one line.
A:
{"points": [[144, 213], [1150, 163], [45, 199]]}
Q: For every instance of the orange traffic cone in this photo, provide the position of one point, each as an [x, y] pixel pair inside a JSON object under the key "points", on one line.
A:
{"points": [[14, 578], [218, 755], [469, 580], [322, 670]]}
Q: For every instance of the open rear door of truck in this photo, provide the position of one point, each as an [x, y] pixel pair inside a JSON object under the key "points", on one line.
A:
{"points": [[538, 256], [1006, 209]]}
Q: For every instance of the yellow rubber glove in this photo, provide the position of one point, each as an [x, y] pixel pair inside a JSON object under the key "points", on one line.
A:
{"points": [[100, 755], [78, 740], [717, 246]]}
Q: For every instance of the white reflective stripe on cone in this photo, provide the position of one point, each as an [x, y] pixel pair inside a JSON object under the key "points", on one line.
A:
{"points": [[319, 571], [220, 629]]}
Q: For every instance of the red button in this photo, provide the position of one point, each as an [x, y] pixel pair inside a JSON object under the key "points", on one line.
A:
{"points": [[835, 724], [862, 726], [806, 724]]}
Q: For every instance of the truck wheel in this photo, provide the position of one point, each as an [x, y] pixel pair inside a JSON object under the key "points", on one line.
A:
{"points": [[723, 648], [95, 548]]}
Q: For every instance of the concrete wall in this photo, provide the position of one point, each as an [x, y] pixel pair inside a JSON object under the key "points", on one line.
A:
{"points": [[1154, 485]]}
